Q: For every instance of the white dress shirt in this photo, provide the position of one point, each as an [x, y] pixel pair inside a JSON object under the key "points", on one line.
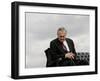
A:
{"points": [[66, 44]]}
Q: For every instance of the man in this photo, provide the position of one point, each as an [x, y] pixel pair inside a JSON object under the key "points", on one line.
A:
{"points": [[62, 51]]}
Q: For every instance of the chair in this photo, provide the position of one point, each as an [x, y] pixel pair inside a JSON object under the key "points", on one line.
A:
{"points": [[50, 61], [82, 58]]}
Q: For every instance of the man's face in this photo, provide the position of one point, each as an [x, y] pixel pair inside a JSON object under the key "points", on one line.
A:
{"points": [[61, 36]]}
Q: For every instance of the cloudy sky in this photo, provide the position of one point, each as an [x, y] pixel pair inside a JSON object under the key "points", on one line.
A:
{"points": [[41, 29]]}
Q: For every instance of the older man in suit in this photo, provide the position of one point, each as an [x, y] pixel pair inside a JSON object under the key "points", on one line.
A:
{"points": [[62, 50]]}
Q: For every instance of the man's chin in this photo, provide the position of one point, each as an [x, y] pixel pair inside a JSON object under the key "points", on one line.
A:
{"points": [[61, 41]]}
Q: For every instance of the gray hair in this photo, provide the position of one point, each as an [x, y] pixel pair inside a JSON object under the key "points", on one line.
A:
{"points": [[61, 29]]}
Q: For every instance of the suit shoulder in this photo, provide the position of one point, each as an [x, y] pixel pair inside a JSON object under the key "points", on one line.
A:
{"points": [[54, 41], [69, 39]]}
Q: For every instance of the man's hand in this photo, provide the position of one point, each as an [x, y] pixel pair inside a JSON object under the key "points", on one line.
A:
{"points": [[69, 55]]}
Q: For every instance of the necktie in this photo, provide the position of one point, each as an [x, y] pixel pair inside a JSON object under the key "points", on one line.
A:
{"points": [[64, 47]]}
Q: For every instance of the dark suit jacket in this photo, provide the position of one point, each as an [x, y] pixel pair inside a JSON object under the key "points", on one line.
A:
{"points": [[56, 53]]}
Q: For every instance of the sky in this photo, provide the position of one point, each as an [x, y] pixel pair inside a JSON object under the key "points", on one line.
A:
{"points": [[41, 28]]}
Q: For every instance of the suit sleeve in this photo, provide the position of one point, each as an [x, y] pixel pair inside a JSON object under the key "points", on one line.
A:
{"points": [[53, 47], [74, 51]]}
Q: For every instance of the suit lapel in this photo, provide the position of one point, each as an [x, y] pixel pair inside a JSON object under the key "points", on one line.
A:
{"points": [[59, 45]]}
